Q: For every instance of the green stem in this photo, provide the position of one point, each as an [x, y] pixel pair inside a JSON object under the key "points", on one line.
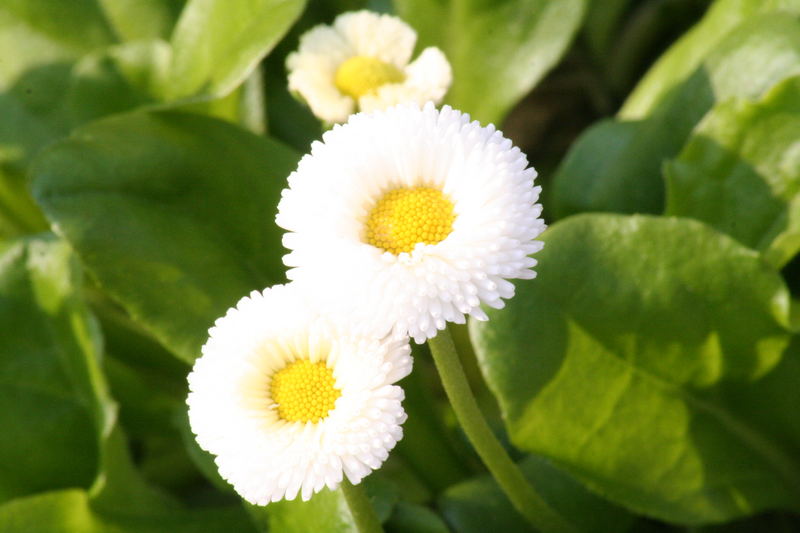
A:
{"points": [[253, 103], [363, 514], [522, 495]]}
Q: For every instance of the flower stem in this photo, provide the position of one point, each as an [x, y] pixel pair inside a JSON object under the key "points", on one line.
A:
{"points": [[253, 112], [363, 514], [522, 495]]}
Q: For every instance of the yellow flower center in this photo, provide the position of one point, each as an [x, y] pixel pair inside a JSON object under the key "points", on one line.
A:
{"points": [[405, 216], [361, 75], [304, 391]]}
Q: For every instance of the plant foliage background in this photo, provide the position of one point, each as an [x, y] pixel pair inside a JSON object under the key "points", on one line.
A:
{"points": [[647, 380]]}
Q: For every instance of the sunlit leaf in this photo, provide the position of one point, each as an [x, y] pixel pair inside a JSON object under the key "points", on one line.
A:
{"points": [[173, 213], [217, 43], [499, 49], [740, 172], [615, 363], [327, 510], [677, 64], [71, 511], [49, 345], [142, 19], [616, 166]]}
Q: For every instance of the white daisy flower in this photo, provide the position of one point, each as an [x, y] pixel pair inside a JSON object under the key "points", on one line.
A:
{"points": [[410, 218], [361, 63], [289, 403]]}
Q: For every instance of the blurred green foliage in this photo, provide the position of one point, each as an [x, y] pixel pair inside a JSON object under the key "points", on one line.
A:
{"points": [[647, 381]]}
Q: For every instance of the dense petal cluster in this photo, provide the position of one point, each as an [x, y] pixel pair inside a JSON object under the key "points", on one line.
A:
{"points": [[339, 412], [332, 200], [361, 63]]}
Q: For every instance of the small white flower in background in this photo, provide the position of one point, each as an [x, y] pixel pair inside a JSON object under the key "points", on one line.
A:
{"points": [[361, 63], [410, 218], [289, 404]]}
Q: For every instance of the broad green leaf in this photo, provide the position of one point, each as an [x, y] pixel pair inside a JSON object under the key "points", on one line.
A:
{"points": [[677, 64], [49, 405], [614, 363], [118, 78], [148, 383], [150, 388], [413, 518], [499, 50], [39, 41], [740, 172], [62, 28], [479, 505], [142, 19], [19, 214], [770, 404], [217, 43], [173, 214], [59, 420], [71, 511], [327, 510], [45, 88], [616, 166]]}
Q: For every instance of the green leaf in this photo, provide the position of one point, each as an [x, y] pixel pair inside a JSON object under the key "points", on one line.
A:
{"points": [[478, 505], [615, 166], [118, 78], [39, 41], [46, 88], [172, 213], [148, 383], [770, 404], [499, 50], [677, 64], [134, 20], [740, 172], [49, 402], [217, 43], [614, 363], [75, 27], [150, 387], [19, 214], [413, 518], [59, 420], [71, 511], [326, 511]]}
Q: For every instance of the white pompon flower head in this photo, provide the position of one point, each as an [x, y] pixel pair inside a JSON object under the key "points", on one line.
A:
{"points": [[290, 403], [409, 218], [361, 63]]}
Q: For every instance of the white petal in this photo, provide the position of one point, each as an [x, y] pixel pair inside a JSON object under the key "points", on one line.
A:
{"points": [[233, 416], [333, 189], [312, 71], [380, 36], [427, 79], [323, 49]]}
